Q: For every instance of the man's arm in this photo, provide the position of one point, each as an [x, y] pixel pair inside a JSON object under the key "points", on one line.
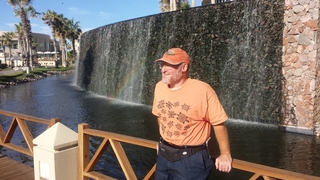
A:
{"points": [[224, 161]]}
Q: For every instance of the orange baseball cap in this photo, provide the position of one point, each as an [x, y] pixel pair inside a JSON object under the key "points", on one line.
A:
{"points": [[175, 56]]}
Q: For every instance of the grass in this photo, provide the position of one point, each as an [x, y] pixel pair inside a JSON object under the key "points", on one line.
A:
{"points": [[42, 69], [35, 72]]}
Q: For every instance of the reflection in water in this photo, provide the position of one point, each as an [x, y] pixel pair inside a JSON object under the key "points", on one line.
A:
{"points": [[57, 97]]}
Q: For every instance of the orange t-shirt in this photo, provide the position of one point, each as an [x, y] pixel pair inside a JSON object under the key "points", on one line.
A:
{"points": [[185, 114]]}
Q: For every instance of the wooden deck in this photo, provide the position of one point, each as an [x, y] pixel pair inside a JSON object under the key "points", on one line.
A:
{"points": [[12, 169]]}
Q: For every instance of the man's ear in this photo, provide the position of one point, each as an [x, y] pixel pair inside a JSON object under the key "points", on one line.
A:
{"points": [[185, 67]]}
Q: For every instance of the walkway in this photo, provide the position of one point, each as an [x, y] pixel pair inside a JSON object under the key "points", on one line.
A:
{"points": [[12, 169], [8, 72]]}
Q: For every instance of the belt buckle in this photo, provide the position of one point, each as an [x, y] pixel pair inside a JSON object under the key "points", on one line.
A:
{"points": [[185, 153]]}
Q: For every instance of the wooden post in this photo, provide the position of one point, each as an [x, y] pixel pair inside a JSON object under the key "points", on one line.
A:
{"points": [[83, 150], [54, 121]]}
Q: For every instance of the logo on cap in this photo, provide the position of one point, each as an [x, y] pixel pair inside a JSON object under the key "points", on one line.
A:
{"points": [[170, 52]]}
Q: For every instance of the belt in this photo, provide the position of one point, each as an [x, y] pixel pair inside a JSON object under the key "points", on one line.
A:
{"points": [[175, 153], [193, 149]]}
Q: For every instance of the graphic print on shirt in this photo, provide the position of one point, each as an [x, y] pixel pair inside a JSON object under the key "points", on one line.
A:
{"points": [[173, 118]]}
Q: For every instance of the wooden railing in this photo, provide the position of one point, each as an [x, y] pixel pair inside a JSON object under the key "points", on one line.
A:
{"points": [[86, 165], [269, 173], [20, 120]]}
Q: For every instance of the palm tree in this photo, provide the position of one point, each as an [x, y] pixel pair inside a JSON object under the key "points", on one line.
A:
{"points": [[74, 32], [34, 44], [22, 9], [7, 41], [51, 19], [184, 4], [19, 31], [165, 5], [172, 5], [62, 30]]}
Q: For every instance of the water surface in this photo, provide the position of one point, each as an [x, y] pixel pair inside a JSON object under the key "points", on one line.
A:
{"points": [[57, 97]]}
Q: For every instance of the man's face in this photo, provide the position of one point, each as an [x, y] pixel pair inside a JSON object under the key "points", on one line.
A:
{"points": [[171, 74]]}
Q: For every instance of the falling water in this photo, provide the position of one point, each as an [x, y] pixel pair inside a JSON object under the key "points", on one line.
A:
{"points": [[235, 47], [114, 64]]}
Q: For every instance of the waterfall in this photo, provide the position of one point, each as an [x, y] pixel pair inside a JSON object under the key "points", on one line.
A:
{"points": [[114, 63], [235, 47]]}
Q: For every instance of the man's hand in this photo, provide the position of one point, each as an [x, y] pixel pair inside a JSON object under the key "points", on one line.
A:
{"points": [[224, 163]]}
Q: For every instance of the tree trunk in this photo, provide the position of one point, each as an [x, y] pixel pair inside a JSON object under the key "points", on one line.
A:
{"points": [[55, 47], [27, 53], [4, 54], [74, 48], [193, 3], [63, 52], [25, 23], [21, 43], [173, 5], [178, 4], [10, 61], [30, 57]]}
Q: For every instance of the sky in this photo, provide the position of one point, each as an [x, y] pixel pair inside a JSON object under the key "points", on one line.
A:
{"points": [[90, 14]]}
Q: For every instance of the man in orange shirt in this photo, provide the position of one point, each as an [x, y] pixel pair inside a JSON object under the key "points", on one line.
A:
{"points": [[186, 109]]}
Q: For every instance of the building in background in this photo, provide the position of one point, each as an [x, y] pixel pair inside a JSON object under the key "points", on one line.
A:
{"points": [[208, 2], [43, 47], [171, 5]]}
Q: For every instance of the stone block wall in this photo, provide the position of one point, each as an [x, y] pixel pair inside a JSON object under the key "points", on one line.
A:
{"points": [[301, 101]]}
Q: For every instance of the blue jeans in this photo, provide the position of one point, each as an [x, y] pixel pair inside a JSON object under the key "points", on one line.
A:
{"points": [[197, 166]]}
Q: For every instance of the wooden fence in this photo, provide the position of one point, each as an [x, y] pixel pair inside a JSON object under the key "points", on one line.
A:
{"points": [[20, 120], [86, 165]]}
